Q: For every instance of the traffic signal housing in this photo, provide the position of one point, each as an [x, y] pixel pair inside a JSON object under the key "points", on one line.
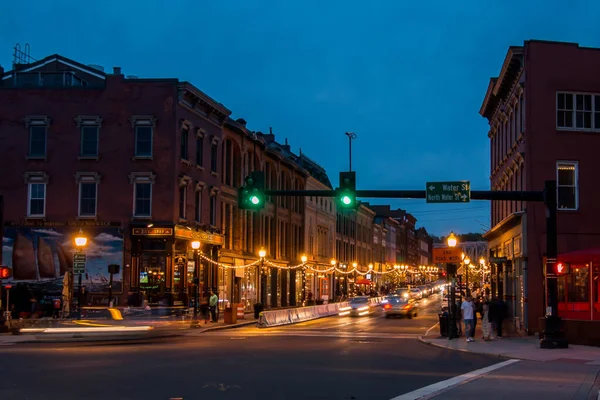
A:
{"points": [[5, 272], [346, 193], [251, 196], [561, 268]]}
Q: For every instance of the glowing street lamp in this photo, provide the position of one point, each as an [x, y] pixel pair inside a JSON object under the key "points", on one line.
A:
{"points": [[262, 253], [451, 240], [304, 259], [80, 239]]}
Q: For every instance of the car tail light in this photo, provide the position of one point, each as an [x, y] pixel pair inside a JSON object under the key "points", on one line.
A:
{"points": [[406, 307], [387, 306]]}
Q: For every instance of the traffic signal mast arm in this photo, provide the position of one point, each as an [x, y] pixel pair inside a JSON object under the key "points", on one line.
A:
{"points": [[414, 194]]}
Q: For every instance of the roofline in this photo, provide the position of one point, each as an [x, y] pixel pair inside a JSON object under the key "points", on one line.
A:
{"points": [[213, 103], [496, 83], [513, 52], [489, 235], [61, 59]]}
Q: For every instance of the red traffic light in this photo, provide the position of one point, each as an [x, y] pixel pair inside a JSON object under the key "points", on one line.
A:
{"points": [[5, 272]]}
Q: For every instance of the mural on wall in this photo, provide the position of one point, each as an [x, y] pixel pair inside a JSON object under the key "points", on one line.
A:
{"points": [[46, 253]]}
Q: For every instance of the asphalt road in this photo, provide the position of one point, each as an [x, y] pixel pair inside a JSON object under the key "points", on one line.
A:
{"points": [[333, 358]]}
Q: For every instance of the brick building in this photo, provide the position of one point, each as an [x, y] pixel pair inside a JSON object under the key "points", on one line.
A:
{"points": [[278, 228], [133, 164], [544, 116]]}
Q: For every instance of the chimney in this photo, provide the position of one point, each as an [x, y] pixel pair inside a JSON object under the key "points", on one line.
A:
{"points": [[117, 71], [286, 146], [270, 137]]}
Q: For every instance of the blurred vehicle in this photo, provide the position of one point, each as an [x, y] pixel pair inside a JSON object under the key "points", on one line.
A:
{"points": [[416, 293], [357, 307], [400, 307], [424, 290], [404, 293]]}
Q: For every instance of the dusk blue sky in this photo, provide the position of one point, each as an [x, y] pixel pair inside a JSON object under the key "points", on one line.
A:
{"points": [[407, 77]]}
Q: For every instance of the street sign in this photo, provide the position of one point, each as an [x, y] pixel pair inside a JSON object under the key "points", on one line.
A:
{"points": [[447, 255], [448, 192], [498, 260], [79, 260]]}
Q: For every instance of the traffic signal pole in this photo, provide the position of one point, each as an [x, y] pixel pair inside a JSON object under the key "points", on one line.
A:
{"points": [[415, 194], [553, 334]]}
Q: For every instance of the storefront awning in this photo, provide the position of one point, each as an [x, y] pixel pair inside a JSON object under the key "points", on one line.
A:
{"points": [[581, 256]]}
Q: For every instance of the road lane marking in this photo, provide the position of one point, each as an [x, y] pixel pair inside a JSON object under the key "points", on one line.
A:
{"points": [[439, 387], [429, 330]]}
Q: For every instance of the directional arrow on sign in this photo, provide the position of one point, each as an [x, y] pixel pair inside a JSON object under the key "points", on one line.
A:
{"points": [[431, 187]]}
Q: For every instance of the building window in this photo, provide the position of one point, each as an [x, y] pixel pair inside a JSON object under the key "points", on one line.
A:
{"points": [[567, 185], [198, 206], [36, 193], [87, 199], [143, 199], [182, 201], [199, 151], [184, 143], [214, 154], [90, 128], [89, 141], [144, 132], [142, 193], [36, 204], [213, 210], [38, 136], [578, 111]]}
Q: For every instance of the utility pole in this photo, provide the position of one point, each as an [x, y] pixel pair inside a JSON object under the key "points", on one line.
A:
{"points": [[351, 137]]}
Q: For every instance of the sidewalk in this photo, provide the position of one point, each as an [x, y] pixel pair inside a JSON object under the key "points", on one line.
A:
{"points": [[523, 348]]}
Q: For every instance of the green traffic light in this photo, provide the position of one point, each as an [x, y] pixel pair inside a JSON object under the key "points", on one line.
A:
{"points": [[254, 200], [346, 200]]}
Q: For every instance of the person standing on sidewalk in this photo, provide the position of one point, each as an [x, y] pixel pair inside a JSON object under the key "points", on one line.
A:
{"points": [[212, 304], [486, 322], [499, 315], [468, 313]]}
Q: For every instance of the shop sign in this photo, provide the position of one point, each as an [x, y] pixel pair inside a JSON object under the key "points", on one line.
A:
{"points": [[203, 237], [152, 231]]}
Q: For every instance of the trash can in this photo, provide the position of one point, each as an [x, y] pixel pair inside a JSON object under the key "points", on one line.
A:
{"points": [[230, 315], [258, 308], [443, 320]]}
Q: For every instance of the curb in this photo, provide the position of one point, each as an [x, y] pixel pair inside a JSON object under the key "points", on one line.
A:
{"points": [[425, 341], [220, 328], [99, 340]]}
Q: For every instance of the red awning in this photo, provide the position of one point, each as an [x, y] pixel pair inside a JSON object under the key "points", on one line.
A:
{"points": [[581, 256], [363, 282]]}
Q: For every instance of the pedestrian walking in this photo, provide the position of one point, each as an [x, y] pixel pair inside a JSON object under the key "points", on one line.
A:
{"points": [[212, 304]]}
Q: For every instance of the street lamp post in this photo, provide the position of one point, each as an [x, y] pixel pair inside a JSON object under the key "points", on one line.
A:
{"points": [[467, 262], [304, 259], [451, 271], [334, 264], [80, 242], [196, 248], [262, 253], [351, 137]]}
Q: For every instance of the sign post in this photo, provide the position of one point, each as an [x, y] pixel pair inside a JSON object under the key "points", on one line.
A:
{"points": [[79, 259], [448, 192]]}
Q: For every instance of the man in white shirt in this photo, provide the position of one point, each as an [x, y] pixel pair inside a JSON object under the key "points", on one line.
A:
{"points": [[468, 313]]}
